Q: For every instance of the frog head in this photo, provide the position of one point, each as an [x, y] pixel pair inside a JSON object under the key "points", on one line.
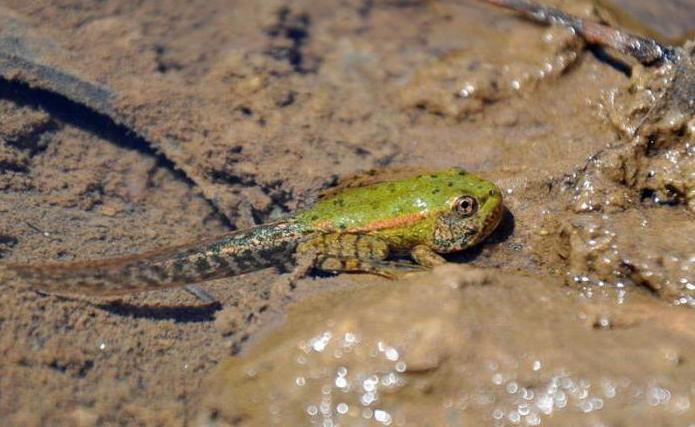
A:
{"points": [[472, 211]]}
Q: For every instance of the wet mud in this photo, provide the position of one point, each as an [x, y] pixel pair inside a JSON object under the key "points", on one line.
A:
{"points": [[456, 364], [175, 122]]}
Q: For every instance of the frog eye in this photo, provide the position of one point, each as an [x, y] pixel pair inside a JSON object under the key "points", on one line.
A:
{"points": [[466, 205]]}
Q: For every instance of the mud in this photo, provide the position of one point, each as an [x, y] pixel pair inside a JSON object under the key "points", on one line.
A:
{"points": [[220, 115], [435, 356], [669, 21]]}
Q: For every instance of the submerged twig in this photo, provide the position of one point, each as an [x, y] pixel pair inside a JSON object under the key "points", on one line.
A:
{"points": [[646, 51]]}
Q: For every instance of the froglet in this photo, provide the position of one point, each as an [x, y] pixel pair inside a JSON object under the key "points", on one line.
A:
{"points": [[369, 224]]}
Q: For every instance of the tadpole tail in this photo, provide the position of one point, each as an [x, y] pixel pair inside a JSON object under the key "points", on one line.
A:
{"points": [[228, 255], [646, 51]]}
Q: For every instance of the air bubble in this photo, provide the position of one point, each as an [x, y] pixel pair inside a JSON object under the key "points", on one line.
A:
{"points": [[382, 416]]}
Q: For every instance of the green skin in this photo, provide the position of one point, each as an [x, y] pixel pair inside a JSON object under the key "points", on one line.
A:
{"points": [[358, 229]]}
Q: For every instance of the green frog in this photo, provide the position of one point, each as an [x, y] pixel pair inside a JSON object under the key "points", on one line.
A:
{"points": [[368, 224]]}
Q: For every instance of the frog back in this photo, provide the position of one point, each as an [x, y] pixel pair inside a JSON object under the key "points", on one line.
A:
{"points": [[397, 207]]}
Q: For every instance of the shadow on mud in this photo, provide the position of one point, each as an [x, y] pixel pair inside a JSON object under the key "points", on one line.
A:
{"points": [[102, 125], [80, 116], [179, 314], [501, 234]]}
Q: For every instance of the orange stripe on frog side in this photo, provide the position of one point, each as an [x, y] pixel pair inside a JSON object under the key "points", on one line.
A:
{"points": [[392, 222]]}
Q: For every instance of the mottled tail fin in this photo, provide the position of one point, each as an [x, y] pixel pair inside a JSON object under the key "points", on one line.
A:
{"points": [[234, 253]]}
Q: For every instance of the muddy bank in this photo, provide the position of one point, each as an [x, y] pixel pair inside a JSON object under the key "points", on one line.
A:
{"points": [[214, 115], [432, 353]]}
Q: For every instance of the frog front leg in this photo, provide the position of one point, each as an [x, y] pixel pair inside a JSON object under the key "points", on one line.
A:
{"points": [[426, 257], [353, 253]]}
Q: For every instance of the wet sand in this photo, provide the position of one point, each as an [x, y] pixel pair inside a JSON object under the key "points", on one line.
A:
{"points": [[575, 312]]}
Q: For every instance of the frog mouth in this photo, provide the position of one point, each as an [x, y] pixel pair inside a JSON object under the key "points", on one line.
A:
{"points": [[492, 221]]}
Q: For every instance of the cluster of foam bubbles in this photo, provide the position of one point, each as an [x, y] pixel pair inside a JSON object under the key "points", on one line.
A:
{"points": [[515, 404], [600, 245], [353, 389], [688, 298], [349, 394], [589, 286], [528, 406]]}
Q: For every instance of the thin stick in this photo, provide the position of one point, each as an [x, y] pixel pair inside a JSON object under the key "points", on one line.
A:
{"points": [[646, 51]]}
